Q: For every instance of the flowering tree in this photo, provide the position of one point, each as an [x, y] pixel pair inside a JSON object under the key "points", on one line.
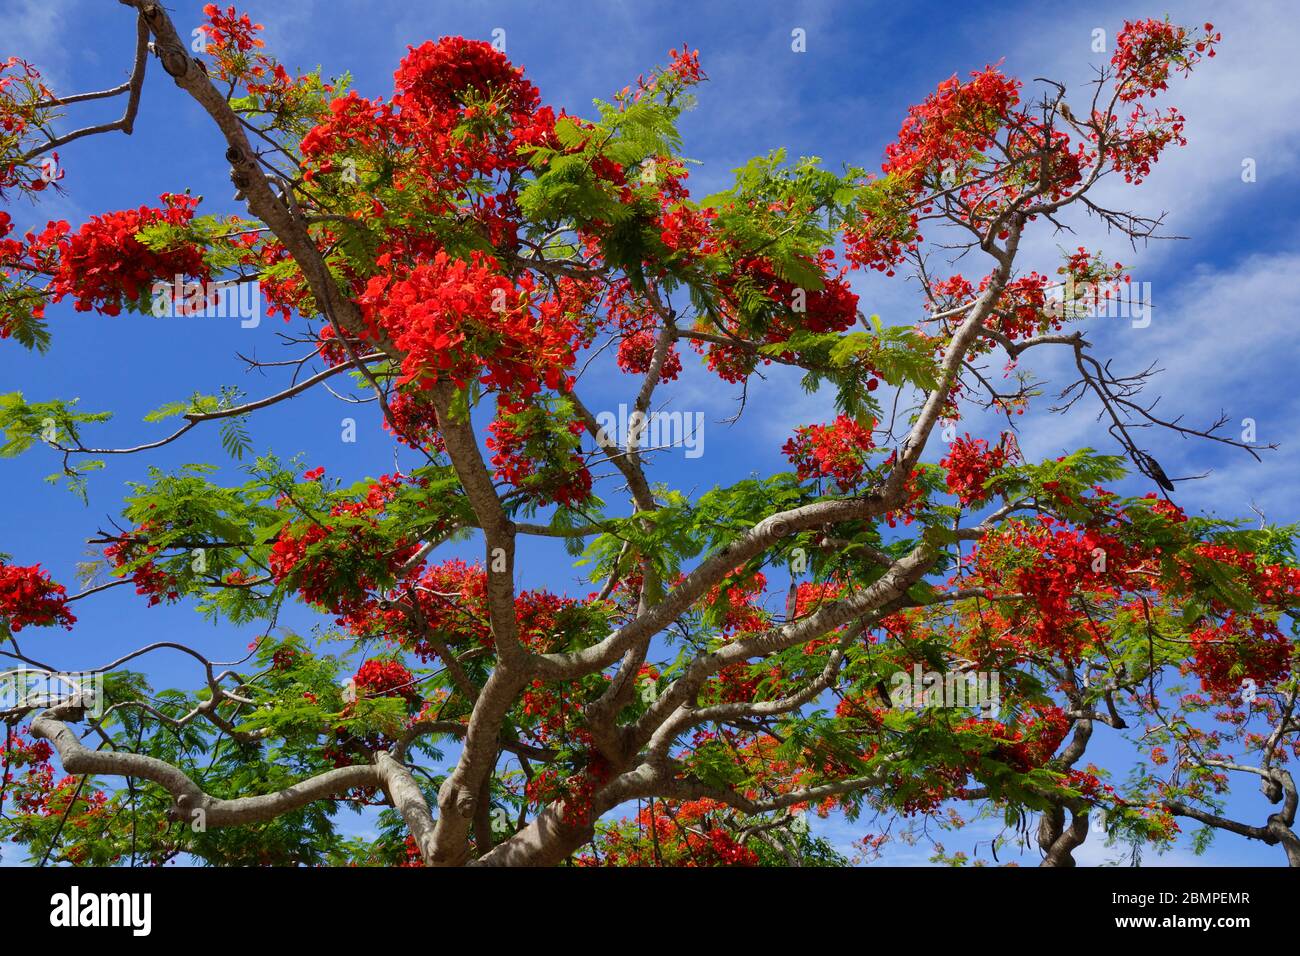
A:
{"points": [[461, 250]]}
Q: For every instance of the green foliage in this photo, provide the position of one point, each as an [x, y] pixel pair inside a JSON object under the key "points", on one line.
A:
{"points": [[22, 315], [898, 355], [55, 422]]}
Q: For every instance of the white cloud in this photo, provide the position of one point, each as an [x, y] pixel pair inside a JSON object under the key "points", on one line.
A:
{"points": [[1243, 103], [37, 31]]}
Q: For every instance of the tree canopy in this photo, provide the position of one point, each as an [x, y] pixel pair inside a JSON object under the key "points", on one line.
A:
{"points": [[907, 623]]}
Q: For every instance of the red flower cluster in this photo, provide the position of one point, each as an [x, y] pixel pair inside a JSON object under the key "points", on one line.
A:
{"points": [[1272, 584], [786, 309], [684, 66], [36, 793], [18, 753], [236, 57], [104, 266], [1241, 648], [375, 678], [22, 95], [1143, 139], [464, 320], [574, 794], [1030, 743], [689, 834], [454, 602], [336, 570], [1050, 563], [943, 145], [1060, 164], [636, 351], [683, 70], [28, 597], [436, 77], [231, 31], [533, 453], [149, 579], [953, 123], [414, 421], [970, 464], [686, 230], [460, 110], [540, 618], [885, 229], [1146, 51], [354, 124], [831, 308], [449, 600], [1023, 309], [385, 678], [943, 134], [836, 451], [284, 658], [1094, 280], [737, 604]]}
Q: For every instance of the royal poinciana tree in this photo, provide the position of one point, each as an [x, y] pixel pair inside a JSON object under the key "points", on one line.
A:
{"points": [[461, 252]]}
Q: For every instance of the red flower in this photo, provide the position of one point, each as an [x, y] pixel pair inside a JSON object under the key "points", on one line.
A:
{"points": [[970, 464], [1147, 50], [463, 320], [636, 351], [437, 76], [685, 66], [380, 678], [104, 266], [837, 451], [1241, 648], [29, 597]]}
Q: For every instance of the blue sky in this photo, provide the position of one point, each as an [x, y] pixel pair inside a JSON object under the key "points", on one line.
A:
{"points": [[1223, 298]]}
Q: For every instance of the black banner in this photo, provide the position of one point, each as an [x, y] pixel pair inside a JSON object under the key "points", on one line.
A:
{"points": [[131, 906]]}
